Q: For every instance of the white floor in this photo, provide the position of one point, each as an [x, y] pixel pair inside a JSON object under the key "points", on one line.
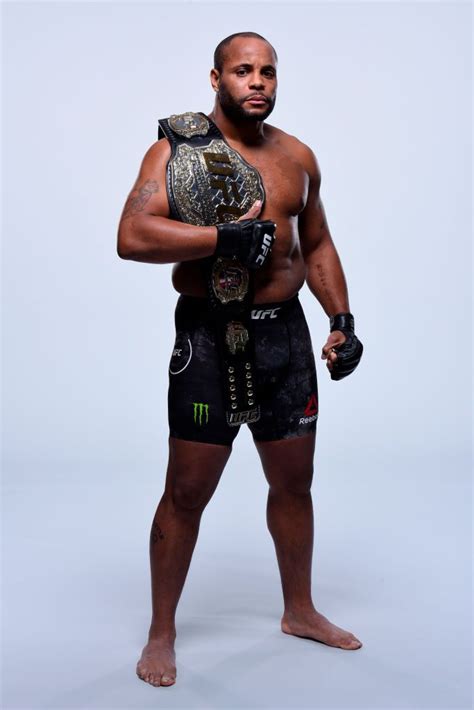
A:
{"points": [[391, 563]]}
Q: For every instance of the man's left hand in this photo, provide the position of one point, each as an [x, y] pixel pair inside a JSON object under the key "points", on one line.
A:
{"points": [[337, 337], [343, 349]]}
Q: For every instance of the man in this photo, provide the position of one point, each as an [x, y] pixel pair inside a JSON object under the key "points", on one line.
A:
{"points": [[243, 351]]}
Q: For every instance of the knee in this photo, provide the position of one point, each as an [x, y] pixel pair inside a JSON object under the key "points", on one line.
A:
{"points": [[295, 482], [189, 496], [296, 488]]}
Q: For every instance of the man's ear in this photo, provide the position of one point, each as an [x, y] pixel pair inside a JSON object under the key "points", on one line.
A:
{"points": [[214, 76]]}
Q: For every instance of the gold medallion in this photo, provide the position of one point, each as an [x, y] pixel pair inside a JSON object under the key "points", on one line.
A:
{"points": [[236, 337], [212, 184], [189, 124], [230, 280]]}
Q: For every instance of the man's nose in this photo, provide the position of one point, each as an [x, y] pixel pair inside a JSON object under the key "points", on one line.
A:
{"points": [[256, 81]]}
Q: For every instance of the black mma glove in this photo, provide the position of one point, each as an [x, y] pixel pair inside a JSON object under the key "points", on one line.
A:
{"points": [[350, 352], [250, 241]]}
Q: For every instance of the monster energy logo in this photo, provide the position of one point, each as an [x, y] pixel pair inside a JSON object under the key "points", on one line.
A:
{"points": [[201, 411]]}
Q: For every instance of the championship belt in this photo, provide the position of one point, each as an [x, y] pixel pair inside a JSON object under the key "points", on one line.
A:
{"points": [[209, 183]]}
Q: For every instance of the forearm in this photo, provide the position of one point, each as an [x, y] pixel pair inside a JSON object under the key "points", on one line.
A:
{"points": [[159, 240], [325, 278]]}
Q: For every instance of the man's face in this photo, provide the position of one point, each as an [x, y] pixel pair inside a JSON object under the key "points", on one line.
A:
{"points": [[248, 82]]}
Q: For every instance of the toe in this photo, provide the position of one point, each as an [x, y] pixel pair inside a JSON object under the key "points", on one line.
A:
{"points": [[353, 643], [167, 680]]}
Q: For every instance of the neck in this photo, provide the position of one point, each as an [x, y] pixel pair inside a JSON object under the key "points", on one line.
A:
{"points": [[248, 132]]}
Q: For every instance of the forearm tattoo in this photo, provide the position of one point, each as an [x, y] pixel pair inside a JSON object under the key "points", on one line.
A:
{"points": [[139, 197], [323, 279], [156, 532]]}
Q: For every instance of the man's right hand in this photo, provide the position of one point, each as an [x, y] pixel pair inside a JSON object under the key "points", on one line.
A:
{"points": [[249, 240]]}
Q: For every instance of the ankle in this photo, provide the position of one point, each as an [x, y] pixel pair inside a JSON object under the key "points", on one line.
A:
{"points": [[298, 609], [159, 632]]}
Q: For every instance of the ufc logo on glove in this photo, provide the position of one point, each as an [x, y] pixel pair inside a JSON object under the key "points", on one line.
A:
{"points": [[266, 246]]}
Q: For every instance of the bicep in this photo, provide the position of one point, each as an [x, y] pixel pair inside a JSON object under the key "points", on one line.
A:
{"points": [[312, 223], [148, 195]]}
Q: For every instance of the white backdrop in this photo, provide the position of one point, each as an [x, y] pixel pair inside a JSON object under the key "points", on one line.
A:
{"points": [[381, 92]]}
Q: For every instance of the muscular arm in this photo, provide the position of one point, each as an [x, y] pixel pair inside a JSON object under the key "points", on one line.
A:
{"points": [[146, 233], [324, 274]]}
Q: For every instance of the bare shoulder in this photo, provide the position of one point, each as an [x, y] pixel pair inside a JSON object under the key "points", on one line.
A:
{"points": [[148, 194], [298, 150], [157, 154]]}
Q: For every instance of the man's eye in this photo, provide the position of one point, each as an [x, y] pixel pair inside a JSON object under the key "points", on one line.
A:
{"points": [[241, 72]]}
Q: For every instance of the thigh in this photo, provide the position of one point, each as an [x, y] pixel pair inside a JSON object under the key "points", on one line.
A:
{"points": [[194, 470], [288, 463]]}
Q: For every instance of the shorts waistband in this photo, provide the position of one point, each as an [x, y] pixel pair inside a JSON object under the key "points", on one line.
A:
{"points": [[260, 311]]}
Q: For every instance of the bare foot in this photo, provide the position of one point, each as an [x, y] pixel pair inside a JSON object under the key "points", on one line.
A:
{"points": [[157, 664], [313, 625]]}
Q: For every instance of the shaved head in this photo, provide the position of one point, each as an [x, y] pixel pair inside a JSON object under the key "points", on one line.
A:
{"points": [[221, 49]]}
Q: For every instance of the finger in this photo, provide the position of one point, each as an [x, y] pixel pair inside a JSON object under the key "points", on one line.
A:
{"points": [[329, 353], [253, 212], [333, 356], [326, 350]]}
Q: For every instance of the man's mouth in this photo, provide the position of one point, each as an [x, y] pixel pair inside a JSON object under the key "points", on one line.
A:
{"points": [[258, 100]]}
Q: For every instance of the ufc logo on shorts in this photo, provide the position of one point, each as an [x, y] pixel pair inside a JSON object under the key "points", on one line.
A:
{"points": [[260, 315], [266, 246]]}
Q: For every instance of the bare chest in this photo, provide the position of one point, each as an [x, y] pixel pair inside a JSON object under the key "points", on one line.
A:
{"points": [[284, 179]]}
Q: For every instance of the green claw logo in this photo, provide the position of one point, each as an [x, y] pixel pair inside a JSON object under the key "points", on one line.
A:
{"points": [[201, 411]]}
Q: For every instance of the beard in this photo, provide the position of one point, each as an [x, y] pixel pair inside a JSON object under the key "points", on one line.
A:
{"points": [[234, 108]]}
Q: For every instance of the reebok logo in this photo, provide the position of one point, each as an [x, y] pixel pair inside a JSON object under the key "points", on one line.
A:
{"points": [[259, 314], [266, 246], [311, 411], [311, 407], [201, 413]]}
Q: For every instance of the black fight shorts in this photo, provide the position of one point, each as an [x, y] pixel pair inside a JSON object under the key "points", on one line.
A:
{"points": [[286, 383]]}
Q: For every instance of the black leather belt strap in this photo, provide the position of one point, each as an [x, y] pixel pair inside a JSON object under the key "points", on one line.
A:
{"points": [[234, 334]]}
